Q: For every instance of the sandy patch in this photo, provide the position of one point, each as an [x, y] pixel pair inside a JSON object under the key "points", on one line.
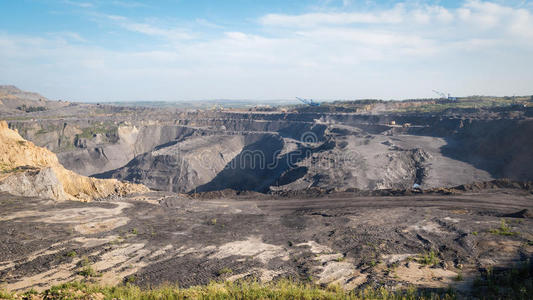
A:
{"points": [[417, 274], [253, 247], [392, 258], [316, 247]]}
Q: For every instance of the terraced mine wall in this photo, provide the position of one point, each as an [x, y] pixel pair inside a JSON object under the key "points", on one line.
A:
{"points": [[163, 152]]}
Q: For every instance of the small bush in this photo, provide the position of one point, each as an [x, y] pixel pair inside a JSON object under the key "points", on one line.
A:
{"points": [[515, 283], [504, 229], [430, 258], [459, 277], [87, 270], [27, 108], [224, 271]]}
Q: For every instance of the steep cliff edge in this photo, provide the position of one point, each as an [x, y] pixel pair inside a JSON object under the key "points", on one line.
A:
{"points": [[28, 170]]}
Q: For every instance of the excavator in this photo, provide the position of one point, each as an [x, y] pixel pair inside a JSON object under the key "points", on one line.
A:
{"points": [[444, 96], [309, 102]]}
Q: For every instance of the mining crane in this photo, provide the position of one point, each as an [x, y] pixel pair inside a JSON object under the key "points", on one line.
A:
{"points": [[309, 102], [444, 96]]}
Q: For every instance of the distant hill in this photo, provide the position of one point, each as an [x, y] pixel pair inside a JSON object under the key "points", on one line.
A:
{"points": [[15, 100]]}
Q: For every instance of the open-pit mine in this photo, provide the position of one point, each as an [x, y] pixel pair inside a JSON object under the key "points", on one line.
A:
{"points": [[423, 194]]}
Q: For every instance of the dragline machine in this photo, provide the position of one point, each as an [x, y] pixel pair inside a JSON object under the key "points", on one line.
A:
{"points": [[309, 102]]}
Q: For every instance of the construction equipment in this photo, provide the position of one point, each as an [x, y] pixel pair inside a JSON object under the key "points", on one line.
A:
{"points": [[444, 96], [309, 102]]}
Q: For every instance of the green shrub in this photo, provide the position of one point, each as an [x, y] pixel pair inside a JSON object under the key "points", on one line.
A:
{"points": [[430, 258], [504, 229], [87, 270], [224, 271]]}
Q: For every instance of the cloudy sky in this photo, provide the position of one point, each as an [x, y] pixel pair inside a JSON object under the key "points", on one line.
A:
{"points": [[107, 50]]}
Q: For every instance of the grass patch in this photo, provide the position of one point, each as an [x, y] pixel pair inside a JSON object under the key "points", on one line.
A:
{"points": [[6, 170], [5, 295], [430, 258], [72, 253], [340, 258], [105, 129], [504, 229], [282, 289], [373, 263], [224, 271], [515, 283], [87, 270]]}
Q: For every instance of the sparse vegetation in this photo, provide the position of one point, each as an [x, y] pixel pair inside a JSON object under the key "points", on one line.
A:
{"points": [[430, 258], [87, 270], [5, 169], [515, 283], [28, 109], [213, 221], [504, 229], [224, 271], [72, 253], [340, 258], [108, 130], [5, 295], [283, 289]]}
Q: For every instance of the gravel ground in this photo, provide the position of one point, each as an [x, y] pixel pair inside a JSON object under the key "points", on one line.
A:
{"points": [[340, 238]]}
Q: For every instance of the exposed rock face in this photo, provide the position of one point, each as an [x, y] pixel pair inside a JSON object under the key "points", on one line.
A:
{"points": [[205, 163], [34, 182], [33, 171], [182, 166]]}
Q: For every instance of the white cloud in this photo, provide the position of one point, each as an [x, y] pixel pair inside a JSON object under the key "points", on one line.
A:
{"points": [[79, 4], [68, 36], [170, 33], [151, 30]]}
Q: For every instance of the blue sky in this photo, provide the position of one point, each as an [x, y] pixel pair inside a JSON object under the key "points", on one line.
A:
{"points": [[119, 50]]}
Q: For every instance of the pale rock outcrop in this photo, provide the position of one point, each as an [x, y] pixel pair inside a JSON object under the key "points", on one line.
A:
{"points": [[28, 170]]}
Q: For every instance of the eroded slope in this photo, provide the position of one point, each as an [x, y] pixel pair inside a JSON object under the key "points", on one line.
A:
{"points": [[29, 170]]}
